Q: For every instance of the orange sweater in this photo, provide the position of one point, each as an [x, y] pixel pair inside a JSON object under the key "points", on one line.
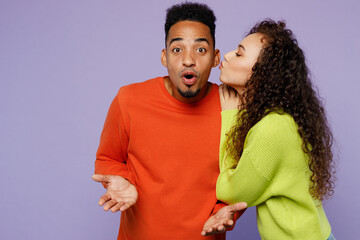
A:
{"points": [[169, 150]]}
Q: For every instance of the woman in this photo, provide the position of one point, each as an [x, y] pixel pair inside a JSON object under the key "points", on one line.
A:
{"points": [[276, 153]]}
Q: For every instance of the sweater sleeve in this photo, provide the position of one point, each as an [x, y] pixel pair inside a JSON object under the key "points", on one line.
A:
{"points": [[248, 180], [228, 118], [111, 156]]}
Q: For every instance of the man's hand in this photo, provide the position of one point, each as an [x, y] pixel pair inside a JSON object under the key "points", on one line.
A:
{"points": [[120, 195], [222, 219]]}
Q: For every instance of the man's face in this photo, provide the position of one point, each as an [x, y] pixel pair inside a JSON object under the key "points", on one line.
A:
{"points": [[189, 57]]}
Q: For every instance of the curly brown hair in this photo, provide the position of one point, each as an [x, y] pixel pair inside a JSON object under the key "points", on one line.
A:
{"points": [[280, 83]]}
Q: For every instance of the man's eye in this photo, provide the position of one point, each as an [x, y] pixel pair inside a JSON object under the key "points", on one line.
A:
{"points": [[201, 50], [176, 50]]}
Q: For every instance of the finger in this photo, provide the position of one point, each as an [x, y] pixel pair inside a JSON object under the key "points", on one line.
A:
{"points": [[209, 231], [221, 91], [116, 207], [229, 224], [206, 232], [220, 228], [215, 230], [237, 206], [126, 206], [104, 198], [221, 88], [227, 91], [100, 178], [109, 204], [234, 92], [231, 92]]}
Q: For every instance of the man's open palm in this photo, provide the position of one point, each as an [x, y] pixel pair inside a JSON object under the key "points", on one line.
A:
{"points": [[120, 195]]}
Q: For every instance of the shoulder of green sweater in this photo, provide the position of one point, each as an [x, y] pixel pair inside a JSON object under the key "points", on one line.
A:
{"points": [[273, 132], [267, 142], [275, 122]]}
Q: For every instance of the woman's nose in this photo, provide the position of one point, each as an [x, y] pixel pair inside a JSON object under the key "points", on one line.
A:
{"points": [[228, 55]]}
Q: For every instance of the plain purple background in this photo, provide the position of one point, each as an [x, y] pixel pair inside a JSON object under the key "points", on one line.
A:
{"points": [[62, 62]]}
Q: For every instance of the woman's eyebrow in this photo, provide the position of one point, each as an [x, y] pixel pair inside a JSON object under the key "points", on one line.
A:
{"points": [[241, 46]]}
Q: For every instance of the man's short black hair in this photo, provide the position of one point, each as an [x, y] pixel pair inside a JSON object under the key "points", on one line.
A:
{"points": [[196, 12]]}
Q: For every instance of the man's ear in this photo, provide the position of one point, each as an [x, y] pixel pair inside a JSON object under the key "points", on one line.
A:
{"points": [[216, 57], [163, 57]]}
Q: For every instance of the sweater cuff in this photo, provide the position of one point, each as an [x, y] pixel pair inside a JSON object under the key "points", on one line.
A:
{"points": [[228, 119], [114, 169], [229, 113]]}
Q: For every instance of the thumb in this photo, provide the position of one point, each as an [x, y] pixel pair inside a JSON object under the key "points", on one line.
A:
{"points": [[237, 206], [100, 178]]}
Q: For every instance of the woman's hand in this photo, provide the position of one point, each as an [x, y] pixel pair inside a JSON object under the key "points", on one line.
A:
{"points": [[223, 219], [229, 98]]}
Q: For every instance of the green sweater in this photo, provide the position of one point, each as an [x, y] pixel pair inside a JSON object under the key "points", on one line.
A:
{"points": [[272, 174]]}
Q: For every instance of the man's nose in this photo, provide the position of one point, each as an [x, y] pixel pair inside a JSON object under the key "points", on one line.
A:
{"points": [[189, 59]]}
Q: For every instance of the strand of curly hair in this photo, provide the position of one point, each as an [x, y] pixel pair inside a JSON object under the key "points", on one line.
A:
{"points": [[280, 83]]}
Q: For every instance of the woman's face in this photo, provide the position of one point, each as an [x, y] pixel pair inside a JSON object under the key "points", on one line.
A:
{"points": [[237, 67]]}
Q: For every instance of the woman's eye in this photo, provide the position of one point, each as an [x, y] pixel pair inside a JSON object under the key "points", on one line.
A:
{"points": [[237, 54], [201, 50]]}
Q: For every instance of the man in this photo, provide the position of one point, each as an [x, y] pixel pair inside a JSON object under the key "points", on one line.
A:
{"points": [[158, 153]]}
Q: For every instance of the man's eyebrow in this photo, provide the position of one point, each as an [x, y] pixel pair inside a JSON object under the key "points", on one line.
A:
{"points": [[241, 46], [175, 39], [196, 40], [202, 40]]}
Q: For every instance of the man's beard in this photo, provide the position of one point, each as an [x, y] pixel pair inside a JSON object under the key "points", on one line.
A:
{"points": [[188, 93]]}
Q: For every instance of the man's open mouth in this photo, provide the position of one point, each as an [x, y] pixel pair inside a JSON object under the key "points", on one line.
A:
{"points": [[189, 78]]}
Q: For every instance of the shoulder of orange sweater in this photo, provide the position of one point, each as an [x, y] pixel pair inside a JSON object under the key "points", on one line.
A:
{"points": [[137, 90], [139, 86]]}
